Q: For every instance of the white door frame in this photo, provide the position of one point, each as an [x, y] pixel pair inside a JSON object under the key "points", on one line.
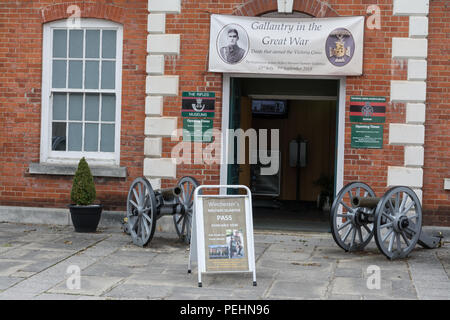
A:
{"points": [[339, 179]]}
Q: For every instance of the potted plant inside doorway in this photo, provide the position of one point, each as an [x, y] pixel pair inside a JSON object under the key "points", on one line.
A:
{"points": [[326, 192], [84, 213]]}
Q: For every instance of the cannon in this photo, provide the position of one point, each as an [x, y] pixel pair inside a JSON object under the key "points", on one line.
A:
{"points": [[145, 206], [395, 220]]}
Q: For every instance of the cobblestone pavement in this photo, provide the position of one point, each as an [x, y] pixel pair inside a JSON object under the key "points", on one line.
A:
{"points": [[35, 260]]}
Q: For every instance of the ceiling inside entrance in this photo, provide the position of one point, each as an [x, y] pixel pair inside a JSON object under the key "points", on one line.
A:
{"points": [[289, 87]]}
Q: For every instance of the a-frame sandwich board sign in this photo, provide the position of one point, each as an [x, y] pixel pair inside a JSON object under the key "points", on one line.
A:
{"points": [[222, 232]]}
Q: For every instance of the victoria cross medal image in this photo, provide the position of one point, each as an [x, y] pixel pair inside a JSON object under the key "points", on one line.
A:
{"points": [[232, 43]]}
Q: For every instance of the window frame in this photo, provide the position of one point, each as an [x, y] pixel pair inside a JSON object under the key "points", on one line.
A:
{"points": [[47, 155]]}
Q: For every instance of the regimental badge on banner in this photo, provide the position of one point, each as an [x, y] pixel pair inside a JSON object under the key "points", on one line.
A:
{"points": [[367, 109], [341, 47], [198, 104]]}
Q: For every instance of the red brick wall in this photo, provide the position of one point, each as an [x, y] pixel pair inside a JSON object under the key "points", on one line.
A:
{"points": [[20, 99], [436, 200], [20, 82], [379, 69]]}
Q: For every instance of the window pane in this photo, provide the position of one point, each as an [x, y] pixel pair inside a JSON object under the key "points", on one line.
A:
{"points": [[108, 75], [75, 133], [108, 107], [59, 43], [92, 102], [91, 75], [76, 44], [107, 141], [59, 136], [92, 43], [91, 137], [59, 74], [59, 106], [109, 44], [75, 74], [76, 106]]}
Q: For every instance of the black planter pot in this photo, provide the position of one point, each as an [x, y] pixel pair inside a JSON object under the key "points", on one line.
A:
{"points": [[85, 218]]}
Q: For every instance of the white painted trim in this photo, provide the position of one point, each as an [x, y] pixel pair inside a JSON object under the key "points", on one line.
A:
{"points": [[156, 23], [405, 176], [410, 7], [292, 97], [162, 85], [280, 76], [225, 124], [69, 157], [406, 134], [160, 168], [164, 6], [341, 135], [164, 44], [413, 92], [226, 114], [285, 6]]}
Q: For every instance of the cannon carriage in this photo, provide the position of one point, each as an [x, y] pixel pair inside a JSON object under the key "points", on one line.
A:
{"points": [[146, 205], [394, 220]]}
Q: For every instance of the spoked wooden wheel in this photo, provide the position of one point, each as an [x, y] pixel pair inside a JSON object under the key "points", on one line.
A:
{"points": [[141, 211], [183, 220], [398, 222], [352, 227]]}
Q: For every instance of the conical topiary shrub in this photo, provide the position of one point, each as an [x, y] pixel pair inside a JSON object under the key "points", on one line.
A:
{"points": [[83, 188], [85, 215]]}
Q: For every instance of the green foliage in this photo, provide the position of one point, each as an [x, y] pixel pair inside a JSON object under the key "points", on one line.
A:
{"points": [[326, 185], [83, 188]]}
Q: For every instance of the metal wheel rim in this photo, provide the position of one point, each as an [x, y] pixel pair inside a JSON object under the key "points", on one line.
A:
{"points": [[347, 233], [397, 205], [183, 220], [141, 204]]}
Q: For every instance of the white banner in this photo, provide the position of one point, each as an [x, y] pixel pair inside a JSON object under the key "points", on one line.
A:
{"points": [[307, 46]]}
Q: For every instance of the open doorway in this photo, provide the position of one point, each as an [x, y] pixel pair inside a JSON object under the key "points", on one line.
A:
{"points": [[303, 113]]}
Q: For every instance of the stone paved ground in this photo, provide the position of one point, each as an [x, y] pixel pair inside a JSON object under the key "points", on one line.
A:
{"points": [[34, 260]]}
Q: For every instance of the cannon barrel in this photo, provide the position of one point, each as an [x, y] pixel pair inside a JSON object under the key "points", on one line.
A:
{"points": [[169, 194], [366, 202]]}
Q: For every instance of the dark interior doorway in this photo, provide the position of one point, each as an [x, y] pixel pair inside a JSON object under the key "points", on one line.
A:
{"points": [[303, 112]]}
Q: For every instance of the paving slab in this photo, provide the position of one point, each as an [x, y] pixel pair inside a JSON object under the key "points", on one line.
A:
{"points": [[89, 286], [34, 262], [299, 289]]}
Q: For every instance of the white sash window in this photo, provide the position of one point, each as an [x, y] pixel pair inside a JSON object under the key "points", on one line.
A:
{"points": [[81, 92]]}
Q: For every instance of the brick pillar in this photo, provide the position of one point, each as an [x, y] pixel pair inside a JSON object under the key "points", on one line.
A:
{"points": [[411, 91], [158, 85]]}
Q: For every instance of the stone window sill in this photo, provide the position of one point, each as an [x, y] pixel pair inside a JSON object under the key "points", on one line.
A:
{"points": [[69, 170]]}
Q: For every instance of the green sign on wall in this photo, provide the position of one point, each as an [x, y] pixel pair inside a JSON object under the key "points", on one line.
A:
{"points": [[196, 130], [368, 136]]}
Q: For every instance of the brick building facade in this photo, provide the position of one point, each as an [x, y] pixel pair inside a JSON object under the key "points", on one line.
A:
{"points": [[165, 52]]}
